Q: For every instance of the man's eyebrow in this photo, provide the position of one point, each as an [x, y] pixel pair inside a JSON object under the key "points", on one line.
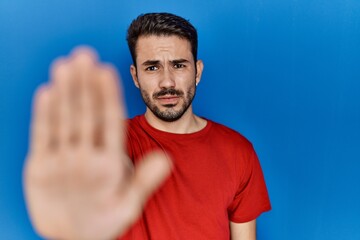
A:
{"points": [[181, 60], [150, 62], [156, 62]]}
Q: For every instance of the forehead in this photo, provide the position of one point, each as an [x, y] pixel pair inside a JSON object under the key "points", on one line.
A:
{"points": [[152, 47]]}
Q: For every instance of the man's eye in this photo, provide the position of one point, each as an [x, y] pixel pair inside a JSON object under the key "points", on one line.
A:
{"points": [[151, 68], [179, 65]]}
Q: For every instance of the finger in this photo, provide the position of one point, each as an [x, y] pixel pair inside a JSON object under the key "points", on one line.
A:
{"points": [[61, 78], [44, 135], [84, 65], [40, 126], [82, 49], [113, 110], [150, 174]]}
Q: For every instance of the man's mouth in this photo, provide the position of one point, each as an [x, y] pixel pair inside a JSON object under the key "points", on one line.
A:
{"points": [[168, 99]]}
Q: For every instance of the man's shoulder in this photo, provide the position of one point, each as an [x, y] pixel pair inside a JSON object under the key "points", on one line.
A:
{"points": [[228, 134], [134, 121], [134, 127]]}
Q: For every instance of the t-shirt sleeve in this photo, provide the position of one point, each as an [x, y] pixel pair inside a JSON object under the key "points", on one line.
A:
{"points": [[251, 197]]}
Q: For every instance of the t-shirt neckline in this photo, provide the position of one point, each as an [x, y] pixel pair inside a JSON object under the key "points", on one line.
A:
{"points": [[144, 123]]}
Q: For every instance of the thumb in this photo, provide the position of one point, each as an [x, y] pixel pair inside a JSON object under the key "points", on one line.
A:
{"points": [[151, 172]]}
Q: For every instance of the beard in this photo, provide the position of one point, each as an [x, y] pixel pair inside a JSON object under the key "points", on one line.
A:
{"points": [[170, 114]]}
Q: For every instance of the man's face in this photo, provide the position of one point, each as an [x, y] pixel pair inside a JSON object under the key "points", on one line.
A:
{"points": [[166, 75]]}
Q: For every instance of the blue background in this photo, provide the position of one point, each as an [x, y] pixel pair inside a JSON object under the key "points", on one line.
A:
{"points": [[285, 73]]}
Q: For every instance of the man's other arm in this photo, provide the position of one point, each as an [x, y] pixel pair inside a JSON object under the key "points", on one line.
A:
{"points": [[243, 231]]}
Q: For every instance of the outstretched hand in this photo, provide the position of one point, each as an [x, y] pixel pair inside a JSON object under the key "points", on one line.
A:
{"points": [[79, 182]]}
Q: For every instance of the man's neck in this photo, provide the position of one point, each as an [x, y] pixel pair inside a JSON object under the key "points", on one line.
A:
{"points": [[188, 123]]}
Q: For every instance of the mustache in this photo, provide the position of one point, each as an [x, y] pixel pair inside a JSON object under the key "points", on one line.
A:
{"points": [[168, 91]]}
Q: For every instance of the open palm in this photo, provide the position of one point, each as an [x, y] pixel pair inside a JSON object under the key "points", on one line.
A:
{"points": [[79, 182]]}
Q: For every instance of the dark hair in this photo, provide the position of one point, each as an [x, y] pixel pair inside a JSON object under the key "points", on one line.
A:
{"points": [[161, 24]]}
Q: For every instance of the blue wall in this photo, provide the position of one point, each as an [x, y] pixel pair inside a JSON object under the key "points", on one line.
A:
{"points": [[285, 73]]}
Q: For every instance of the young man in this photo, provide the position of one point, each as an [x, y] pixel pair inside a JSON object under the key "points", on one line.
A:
{"points": [[192, 178]]}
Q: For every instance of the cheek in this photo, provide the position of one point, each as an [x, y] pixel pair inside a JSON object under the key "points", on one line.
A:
{"points": [[191, 83], [186, 80], [146, 83], [146, 90]]}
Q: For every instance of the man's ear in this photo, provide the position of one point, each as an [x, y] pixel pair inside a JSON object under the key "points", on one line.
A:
{"points": [[134, 75], [199, 70]]}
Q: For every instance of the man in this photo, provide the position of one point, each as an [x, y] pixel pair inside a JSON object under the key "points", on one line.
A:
{"points": [[167, 174]]}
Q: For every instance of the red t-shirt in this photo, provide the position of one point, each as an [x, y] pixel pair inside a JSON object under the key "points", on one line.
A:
{"points": [[217, 178]]}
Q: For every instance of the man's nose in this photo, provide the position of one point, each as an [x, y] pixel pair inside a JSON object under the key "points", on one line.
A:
{"points": [[167, 79]]}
